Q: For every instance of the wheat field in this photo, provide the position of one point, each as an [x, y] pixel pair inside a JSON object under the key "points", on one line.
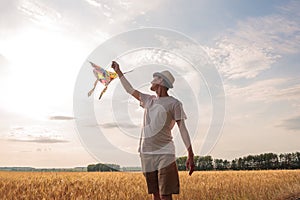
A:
{"points": [[254, 185]]}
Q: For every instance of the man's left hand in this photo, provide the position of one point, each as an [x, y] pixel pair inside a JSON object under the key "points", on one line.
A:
{"points": [[190, 165]]}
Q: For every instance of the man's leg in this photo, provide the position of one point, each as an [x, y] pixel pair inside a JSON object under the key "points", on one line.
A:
{"points": [[152, 184], [151, 174], [166, 197], [156, 196], [168, 177]]}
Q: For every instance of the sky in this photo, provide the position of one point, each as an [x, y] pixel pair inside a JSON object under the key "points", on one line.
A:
{"points": [[236, 65]]}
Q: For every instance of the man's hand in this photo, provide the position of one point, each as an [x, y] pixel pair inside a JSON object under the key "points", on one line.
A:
{"points": [[115, 66], [190, 164]]}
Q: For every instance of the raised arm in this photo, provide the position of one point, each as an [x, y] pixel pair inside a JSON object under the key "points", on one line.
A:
{"points": [[127, 86], [187, 142]]}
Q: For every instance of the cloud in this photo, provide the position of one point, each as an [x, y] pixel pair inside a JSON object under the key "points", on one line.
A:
{"points": [[94, 3], [35, 134], [118, 125], [266, 90], [291, 123], [239, 59], [40, 13], [61, 118], [114, 16], [39, 140], [292, 8], [256, 43], [43, 149], [124, 10], [99, 21]]}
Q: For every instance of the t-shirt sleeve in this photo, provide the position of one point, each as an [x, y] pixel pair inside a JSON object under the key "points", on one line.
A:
{"points": [[179, 112], [145, 100]]}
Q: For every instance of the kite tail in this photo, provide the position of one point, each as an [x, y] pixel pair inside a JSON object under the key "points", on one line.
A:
{"points": [[102, 92]]}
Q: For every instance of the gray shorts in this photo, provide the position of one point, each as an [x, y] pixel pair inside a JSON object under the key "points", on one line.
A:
{"points": [[161, 173]]}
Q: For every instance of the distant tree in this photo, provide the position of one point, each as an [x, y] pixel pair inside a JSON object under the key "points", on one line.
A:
{"points": [[181, 162], [272, 161], [219, 164], [241, 164], [234, 164], [297, 160], [91, 168], [249, 162], [226, 164], [282, 161], [289, 160], [204, 163], [100, 167], [285, 161], [114, 167], [197, 162]]}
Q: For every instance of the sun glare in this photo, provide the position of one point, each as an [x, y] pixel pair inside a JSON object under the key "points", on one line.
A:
{"points": [[42, 74]]}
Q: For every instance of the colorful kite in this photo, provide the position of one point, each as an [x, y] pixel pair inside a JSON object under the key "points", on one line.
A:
{"points": [[103, 76]]}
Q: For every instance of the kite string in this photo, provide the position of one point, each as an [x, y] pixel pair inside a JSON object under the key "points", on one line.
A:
{"points": [[128, 71]]}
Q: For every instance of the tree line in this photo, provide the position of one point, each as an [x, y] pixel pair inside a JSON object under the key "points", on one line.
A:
{"points": [[205, 163], [100, 167], [251, 162]]}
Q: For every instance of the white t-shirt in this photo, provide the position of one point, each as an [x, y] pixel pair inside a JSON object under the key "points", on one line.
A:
{"points": [[160, 115]]}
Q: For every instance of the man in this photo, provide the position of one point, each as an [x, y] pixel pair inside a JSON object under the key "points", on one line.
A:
{"points": [[157, 150]]}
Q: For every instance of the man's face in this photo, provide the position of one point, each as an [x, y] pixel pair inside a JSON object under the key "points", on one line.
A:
{"points": [[155, 83]]}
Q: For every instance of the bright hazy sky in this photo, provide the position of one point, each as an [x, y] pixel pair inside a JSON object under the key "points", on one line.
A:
{"points": [[255, 46]]}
